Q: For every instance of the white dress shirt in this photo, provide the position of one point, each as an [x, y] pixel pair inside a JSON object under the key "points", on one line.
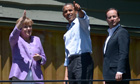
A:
{"points": [[77, 38]]}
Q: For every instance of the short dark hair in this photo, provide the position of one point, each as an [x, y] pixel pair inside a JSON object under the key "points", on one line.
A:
{"points": [[66, 5], [113, 9]]}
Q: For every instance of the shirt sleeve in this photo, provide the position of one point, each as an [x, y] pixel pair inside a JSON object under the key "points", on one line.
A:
{"points": [[66, 59], [84, 22], [85, 16], [119, 72], [66, 62]]}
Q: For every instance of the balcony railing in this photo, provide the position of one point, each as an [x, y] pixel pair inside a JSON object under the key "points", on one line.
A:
{"points": [[83, 80]]}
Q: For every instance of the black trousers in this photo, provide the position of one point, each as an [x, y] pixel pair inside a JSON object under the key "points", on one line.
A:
{"points": [[80, 67]]}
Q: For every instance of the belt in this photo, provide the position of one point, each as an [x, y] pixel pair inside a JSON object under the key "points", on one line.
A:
{"points": [[78, 55]]}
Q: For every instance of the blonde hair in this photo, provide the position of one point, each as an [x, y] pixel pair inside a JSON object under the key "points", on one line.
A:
{"points": [[27, 21]]}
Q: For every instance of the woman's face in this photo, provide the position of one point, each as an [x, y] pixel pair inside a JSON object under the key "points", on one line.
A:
{"points": [[26, 31]]}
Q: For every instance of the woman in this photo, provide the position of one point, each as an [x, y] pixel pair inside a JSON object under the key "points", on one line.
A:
{"points": [[27, 53]]}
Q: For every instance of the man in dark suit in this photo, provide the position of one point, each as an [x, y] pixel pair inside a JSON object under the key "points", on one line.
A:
{"points": [[116, 50]]}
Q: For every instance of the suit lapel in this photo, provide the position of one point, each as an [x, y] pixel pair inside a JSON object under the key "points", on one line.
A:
{"points": [[114, 33]]}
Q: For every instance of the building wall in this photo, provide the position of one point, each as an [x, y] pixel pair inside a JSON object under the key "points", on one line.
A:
{"points": [[53, 45], [49, 25]]}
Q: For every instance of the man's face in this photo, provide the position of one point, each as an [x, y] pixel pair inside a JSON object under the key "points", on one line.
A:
{"points": [[69, 13], [112, 18]]}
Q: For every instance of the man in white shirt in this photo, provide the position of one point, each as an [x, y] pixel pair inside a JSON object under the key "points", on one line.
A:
{"points": [[78, 62]]}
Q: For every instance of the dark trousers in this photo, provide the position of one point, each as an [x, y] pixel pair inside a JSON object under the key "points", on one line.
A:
{"points": [[80, 67]]}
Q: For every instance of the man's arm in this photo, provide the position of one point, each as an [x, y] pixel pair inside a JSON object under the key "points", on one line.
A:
{"points": [[66, 74], [78, 9], [123, 40]]}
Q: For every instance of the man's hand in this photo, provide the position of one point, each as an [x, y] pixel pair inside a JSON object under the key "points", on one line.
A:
{"points": [[103, 82], [66, 75], [118, 76], [76, 6], [66, 78], [37, 57]]}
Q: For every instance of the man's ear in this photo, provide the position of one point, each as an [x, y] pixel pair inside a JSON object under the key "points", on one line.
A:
{"points": [[63, 15], [119, 19]]}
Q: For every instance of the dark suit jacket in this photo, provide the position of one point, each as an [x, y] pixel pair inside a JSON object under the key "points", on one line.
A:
{"points": [[116, 57]]}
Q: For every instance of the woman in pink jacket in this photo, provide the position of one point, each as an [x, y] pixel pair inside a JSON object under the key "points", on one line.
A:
{"points": [[27, 53]]}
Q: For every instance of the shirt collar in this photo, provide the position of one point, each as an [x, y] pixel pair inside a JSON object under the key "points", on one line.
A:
{"points": [[111, 30], [69, 26]]}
